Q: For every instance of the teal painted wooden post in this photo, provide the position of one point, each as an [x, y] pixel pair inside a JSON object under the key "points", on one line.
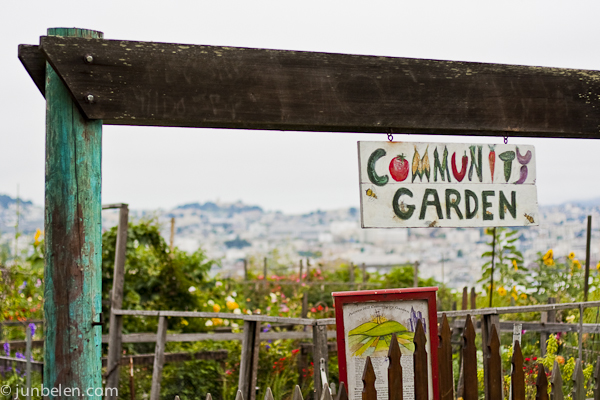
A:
{"points": [[73, 286]]}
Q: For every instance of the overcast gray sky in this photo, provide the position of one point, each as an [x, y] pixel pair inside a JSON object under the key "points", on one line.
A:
{"points": [[289, 171]]}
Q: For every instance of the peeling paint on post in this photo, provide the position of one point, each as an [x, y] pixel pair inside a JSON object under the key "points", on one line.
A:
{"points": [[73, 286]]}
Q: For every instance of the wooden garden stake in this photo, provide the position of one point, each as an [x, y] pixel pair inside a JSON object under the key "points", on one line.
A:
{"points": [[115, 328], [73, 253], [249, 360], [159, 358], [586, 283]]}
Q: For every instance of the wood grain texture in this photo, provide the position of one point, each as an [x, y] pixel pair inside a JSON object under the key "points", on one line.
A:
{"points": [[420, 364], [487, 322], [517, 376], [394, 370], [369, 392], [269, 394], [469, 363], [446, 378], [35, 65], [596, 379], [73, 238], [494, 361], [342, 392], [578, 392], [249, 360], [297, 395], [541, 384], [320, 351], [115, 327], [145, 83], [556, 392], [159, 358], [148, 359]]}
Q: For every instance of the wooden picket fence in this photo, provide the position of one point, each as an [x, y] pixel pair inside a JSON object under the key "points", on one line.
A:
{"points": [[468, 383]]}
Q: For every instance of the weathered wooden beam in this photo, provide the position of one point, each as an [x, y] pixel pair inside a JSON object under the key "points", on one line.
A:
{"points": [[166, 84], [148, 359], [36, 366], [73, 245], [35, 65]]}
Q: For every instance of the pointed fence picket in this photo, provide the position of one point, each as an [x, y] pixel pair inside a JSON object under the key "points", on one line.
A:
{"points": [[468, 369]]}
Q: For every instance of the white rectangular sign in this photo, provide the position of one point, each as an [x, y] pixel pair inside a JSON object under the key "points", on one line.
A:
{"points": [[406, 184]]}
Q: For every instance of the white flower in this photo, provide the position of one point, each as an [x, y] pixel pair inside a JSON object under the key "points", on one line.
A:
{"points": [[211, 303], [273, 297], [218, 283], [192, 289], [237, 311], [234, 325], [226, 322], [209, 323], [233, 294], [229, 298]]}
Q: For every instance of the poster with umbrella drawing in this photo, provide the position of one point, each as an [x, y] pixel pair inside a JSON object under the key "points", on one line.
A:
{"points": [[366, 321]]}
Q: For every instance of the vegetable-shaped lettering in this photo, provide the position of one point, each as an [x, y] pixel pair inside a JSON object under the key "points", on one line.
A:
{"points": [[402, 211], [399, 168], [507, 157], [523, 160], [420, 166], [522, 175], [373, 177], [463, 171], [476, 166], [442, 167], [492, 160]]}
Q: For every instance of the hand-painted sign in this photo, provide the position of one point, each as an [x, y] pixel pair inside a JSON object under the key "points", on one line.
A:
{"points": [[446, 185]]}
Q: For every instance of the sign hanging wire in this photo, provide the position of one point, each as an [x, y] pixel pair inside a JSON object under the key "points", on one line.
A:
{"points": [[505, 139], [389, 135]]}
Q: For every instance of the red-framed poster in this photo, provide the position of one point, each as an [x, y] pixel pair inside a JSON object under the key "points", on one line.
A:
{"points": [[396, 311]]}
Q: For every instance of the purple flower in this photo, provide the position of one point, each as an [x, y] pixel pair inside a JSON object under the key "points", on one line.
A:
{"points": [[38, 283], [32, 329], [20, 356], [7, 349]]}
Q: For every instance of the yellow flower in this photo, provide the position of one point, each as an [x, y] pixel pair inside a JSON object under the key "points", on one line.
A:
{"points": [[515, 265], [216, 308], [523, 296], [184, 322], [217, 321], [549, 262], [571, 255], [36, 238], [598, 266], [577, 264], [501, 291], [514, 296], [232, 305], [549, 254]]}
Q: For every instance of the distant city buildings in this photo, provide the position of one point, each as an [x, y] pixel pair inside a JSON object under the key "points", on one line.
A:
{"points": [[235, 231]]}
